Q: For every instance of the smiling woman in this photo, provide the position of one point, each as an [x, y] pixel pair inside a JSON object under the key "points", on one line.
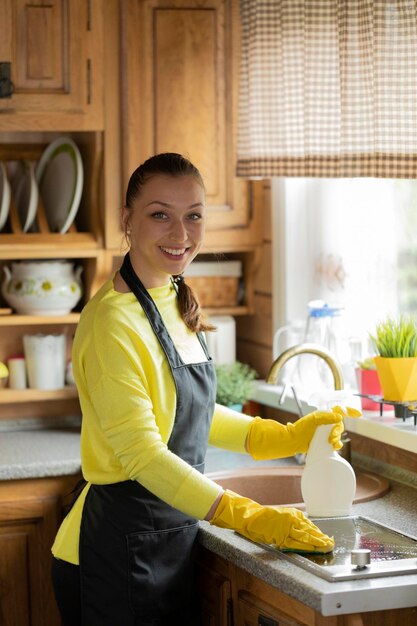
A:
{"points": [[146, 383]]}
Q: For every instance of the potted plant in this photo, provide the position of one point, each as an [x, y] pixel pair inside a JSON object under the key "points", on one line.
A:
{"points": [[396, 344], [234, 384], [368, 384]]}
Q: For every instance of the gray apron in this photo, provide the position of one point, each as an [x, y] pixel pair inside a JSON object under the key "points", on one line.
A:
{"points": [[136, 551]]}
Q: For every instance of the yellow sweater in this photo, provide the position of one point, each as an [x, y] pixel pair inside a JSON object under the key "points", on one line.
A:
{"points": [[128, 403]]}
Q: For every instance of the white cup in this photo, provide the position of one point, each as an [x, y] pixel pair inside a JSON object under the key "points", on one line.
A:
{"points": [[17, 372], [45, 359]]}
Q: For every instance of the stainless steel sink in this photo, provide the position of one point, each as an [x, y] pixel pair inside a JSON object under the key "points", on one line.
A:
{"points": [[390, 552]]}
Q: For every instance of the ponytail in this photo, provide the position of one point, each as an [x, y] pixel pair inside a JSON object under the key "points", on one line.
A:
{"points": [[189, 307]]}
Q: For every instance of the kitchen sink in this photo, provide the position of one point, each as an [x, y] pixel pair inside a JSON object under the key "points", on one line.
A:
{"points": [[282, 485]]}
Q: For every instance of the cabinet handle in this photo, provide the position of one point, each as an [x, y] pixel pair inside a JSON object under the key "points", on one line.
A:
{"points": [[88, 68], [6, 85], [266, 621]]}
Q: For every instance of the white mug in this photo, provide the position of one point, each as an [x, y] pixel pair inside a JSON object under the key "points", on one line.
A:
{"points": [[45, 359], [17, 372]]}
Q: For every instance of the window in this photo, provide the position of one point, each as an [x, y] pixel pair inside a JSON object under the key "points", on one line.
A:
{"points": [[349, 242]]}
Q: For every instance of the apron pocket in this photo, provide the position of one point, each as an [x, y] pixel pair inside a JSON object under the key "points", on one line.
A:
{"points": [[161, 570]]}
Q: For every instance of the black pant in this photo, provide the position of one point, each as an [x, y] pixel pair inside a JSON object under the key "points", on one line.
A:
{"points": [[67, 588], [66, 583]]}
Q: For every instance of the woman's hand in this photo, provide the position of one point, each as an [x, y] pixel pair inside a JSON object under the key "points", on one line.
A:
{"points": [[281, 527], [268, 439]]}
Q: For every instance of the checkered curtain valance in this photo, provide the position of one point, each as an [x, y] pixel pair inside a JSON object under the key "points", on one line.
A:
{"points": [[328, 88]]}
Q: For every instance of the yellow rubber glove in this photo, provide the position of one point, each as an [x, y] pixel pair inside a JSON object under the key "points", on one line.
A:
{"points": [[268, 439], [282, 527]]}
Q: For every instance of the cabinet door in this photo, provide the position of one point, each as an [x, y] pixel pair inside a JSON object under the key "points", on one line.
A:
{"points": [[182, 60], [252, 611], [30, 513], [26, 534], [52, 51], [215, 598], [214, 589]]}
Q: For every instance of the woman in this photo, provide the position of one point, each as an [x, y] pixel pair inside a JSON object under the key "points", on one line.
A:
{"points": [[124, 553]]}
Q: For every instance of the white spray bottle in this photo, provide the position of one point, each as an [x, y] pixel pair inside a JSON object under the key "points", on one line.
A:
{"points": [[328, 482]]}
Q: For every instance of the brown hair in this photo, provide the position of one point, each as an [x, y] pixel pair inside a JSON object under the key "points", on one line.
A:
{"points": [[171, 164]]}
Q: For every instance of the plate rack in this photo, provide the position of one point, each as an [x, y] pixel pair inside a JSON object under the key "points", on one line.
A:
{"points": [[82, 239], [403, 410], [29, 152], [42, 226]]}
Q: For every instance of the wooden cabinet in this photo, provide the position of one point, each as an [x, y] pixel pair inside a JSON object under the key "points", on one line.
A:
{"points": [[81, 245], [177, 91], [215, 591], [52, 53], [181, 88], [253, 602], [56, 56], [180, 91], [30, 514]]}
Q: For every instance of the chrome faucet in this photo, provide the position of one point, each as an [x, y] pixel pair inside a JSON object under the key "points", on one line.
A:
{"points": [[306, 348]]}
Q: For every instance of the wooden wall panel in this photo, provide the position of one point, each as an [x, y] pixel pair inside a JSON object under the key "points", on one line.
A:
{"points": [[257, 328], [254, 333], [263, 278], [384, 452], [256, 355]]}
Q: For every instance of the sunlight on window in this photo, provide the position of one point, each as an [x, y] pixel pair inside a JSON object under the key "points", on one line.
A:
{"points": [[351, 243]]}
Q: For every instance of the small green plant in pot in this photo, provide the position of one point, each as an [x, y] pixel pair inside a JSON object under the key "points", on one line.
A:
{"points": [[234, 384], [395, 341]]}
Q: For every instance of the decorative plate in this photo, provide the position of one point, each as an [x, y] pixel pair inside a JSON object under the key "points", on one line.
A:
{"points": [[4, 195], [60, 177], [26, 193]]}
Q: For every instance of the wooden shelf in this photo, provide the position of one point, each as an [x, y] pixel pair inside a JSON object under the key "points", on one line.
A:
{"points": [[232, 310], [49, 246], [14, 396], [40, 320]]}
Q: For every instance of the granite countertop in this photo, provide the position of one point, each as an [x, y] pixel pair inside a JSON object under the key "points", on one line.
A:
{"points": [[55, 452], [39, 453]]}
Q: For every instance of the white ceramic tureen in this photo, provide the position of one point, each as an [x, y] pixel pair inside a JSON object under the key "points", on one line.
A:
{"points": [[42, 287]]}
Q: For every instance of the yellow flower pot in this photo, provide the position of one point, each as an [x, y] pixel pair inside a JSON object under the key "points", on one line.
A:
{"points": [[398, 378]]}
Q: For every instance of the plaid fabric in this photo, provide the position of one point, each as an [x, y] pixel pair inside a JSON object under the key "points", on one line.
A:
{"points": [[328, 88]]}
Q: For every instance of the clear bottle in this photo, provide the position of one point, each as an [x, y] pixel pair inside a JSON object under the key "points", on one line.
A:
{"points": [[325, 327], [328, 482]]}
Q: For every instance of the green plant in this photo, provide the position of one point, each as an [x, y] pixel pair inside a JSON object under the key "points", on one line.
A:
{"points": [[234, 383], [396, 338]]}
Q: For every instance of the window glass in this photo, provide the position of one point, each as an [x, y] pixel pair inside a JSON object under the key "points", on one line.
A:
{"points": [[351, 243]]}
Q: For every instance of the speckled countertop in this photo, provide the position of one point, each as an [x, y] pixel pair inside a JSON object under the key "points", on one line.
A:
{"points": [[39, 453], [55, 452]]}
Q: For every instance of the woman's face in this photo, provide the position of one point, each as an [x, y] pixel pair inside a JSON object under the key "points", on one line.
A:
{"points": [[166, 225]]}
